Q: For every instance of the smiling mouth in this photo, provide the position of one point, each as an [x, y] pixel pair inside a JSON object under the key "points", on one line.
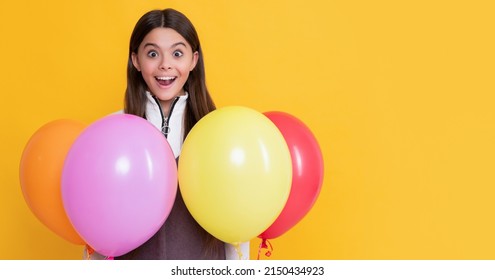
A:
{"points": [[165, 81]]}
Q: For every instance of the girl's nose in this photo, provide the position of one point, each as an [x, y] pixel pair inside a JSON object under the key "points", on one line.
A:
{"points": [[165, 64]]}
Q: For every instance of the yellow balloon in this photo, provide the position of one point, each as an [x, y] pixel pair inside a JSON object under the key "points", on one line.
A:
{"points": [[235, 173]]}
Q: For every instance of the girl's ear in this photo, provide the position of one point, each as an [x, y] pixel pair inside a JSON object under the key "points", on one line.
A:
{"points": [[135, 61], [195, 60]]}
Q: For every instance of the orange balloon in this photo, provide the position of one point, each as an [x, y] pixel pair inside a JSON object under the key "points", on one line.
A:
{"points": [[40, 174]]}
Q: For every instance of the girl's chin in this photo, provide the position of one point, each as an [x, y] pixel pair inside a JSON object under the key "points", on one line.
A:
{"points": [[166, 96]]}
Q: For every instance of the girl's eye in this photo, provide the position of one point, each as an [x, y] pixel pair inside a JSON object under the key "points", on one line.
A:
{"points": [[152, 54], [178, 54]]}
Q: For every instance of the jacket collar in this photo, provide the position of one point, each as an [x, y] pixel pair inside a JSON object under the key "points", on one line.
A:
{"points": [[174, 120]]}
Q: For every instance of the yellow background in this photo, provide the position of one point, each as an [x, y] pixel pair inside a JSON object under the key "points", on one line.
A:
{"points": [[399, 94]]}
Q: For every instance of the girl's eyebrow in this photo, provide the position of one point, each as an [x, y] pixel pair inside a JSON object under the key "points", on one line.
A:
{"points": [[179, 43], [156, 46]]}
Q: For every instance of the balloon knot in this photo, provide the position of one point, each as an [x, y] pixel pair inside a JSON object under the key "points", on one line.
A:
{"points": [[89, 252], [265, 244]]}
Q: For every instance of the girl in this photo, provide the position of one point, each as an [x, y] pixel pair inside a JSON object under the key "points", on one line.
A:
{"points": [[166, 85]]}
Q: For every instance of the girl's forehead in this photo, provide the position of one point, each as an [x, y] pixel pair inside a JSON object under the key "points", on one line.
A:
{"points": [[164, 37]]}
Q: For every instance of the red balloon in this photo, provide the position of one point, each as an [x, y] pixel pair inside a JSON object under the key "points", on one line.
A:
{"points": [[307, 172]]}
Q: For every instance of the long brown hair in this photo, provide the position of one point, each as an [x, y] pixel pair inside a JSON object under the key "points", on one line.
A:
{"points": [[199, 102]]}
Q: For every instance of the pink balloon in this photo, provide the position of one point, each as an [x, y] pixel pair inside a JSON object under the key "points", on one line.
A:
{"points": [[119, 183]]}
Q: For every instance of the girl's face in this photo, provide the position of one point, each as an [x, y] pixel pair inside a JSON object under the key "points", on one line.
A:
{"points": [[165, 59]]}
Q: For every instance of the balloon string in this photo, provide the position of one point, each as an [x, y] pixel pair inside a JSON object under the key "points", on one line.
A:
{"points": [[264, 245], [238, 250], [109, 258]]}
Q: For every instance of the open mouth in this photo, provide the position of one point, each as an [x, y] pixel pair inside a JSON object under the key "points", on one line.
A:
{"points": [[165, 81]]}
